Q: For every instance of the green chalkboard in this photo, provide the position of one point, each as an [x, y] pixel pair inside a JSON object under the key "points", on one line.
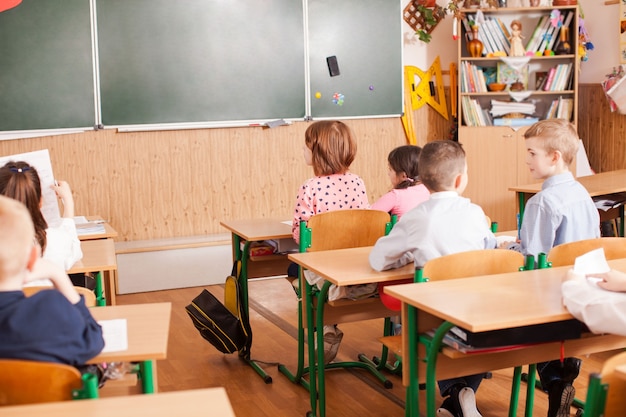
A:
{"points": [[46, 66], [79, 63], [365, 37], [164, 61]]}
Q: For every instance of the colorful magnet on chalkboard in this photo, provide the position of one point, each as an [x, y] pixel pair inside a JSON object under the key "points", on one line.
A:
{"points": [[8, 4], [338, 99], [371, 88], [318, 95]]}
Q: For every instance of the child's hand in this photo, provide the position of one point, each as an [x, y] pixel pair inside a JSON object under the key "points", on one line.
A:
{"points": [[612, 281], [62, 190], [45, 269]]}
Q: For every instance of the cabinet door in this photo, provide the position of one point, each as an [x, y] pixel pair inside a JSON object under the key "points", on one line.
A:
{"points": [[493, 164]]}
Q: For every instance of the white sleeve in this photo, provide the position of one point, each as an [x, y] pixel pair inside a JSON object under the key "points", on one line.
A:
{"points": [[63, 245], [391, 251], [601, 310]]}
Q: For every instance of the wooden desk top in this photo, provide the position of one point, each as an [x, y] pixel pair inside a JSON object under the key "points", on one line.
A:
{"points": [[493, 302], [598, 184], [98, 255], [348, 266], [148, 327], [109, 231], [209, 402], [258, 229]]}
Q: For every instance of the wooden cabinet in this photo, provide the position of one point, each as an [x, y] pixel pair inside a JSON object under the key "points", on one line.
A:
{"points": [[496, 153]]}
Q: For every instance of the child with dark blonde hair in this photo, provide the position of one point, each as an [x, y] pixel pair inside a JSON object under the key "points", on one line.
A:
{"points": [[52, 325], [561, 212]]}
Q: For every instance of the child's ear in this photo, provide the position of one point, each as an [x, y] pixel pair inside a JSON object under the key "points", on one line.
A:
{"points": [[556, 157], [32, 257], [458, 180]]}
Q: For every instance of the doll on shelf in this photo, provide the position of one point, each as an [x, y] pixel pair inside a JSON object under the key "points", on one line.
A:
{"points": [[517, 48]]}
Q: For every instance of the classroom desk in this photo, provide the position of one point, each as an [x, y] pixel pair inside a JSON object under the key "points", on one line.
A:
{"points": [[99, 257], [480, 304], [247, 232], [109, 231], [597, 185], [342, 267], [208, 402], [148, 327]]}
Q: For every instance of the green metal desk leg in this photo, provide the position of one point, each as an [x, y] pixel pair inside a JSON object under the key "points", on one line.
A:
{"points": [[412, 391], [242, 255], [530, 390], [147, 376], [621, 220], [521, 197], [431, 366], [517, 382]]}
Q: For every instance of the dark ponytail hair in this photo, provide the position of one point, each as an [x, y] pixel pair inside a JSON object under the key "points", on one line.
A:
{"points": [[20, 181], [404, 159]]}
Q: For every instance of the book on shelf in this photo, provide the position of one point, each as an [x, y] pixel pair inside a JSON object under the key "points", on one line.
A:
{"points": [[537, 36], [508, 75], [551, 113], [556, 40], [491, 36], [473, 113], [503, 33], [546, 38], [515, 121], [549, 79], [565, 108], [500, 108]]}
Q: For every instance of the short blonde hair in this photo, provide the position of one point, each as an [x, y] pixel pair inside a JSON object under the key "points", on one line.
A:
{"points": [[556, 135], [439, 164], [332, 145], [17, 237]]}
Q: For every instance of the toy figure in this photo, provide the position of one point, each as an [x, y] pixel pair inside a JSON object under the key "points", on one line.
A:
{"points": [[517, 48]]}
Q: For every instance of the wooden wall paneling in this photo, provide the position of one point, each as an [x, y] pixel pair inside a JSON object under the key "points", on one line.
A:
{"points": [[179, 183], [603, 132]]}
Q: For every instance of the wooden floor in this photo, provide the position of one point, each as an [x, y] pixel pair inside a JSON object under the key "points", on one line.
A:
{"points": [[194, 363]]}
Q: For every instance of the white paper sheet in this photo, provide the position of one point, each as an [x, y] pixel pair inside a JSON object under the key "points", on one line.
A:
{"points": [[115, 335]]}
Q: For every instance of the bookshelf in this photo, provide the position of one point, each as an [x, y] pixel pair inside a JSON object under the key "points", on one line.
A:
{"points": [[547, 87]]}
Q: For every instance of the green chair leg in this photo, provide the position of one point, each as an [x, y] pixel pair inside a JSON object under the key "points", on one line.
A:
{"points": [[381, 363], [89, 388], [146, 371], [99, 290]]}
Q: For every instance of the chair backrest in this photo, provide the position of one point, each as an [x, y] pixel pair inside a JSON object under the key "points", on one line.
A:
{"points": [[472, 263], [342, 229], [566, 253], [90, 296], [29, 382], [605, 393]]}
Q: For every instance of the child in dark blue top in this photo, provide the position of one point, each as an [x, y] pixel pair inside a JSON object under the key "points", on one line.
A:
{"points": [[52, 325]]}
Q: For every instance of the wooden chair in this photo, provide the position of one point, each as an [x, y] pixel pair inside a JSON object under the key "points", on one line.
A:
{"points": [[605, 393], [462, 265], [90, 296], [29, 382], [566, 253], [328, 231]]}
